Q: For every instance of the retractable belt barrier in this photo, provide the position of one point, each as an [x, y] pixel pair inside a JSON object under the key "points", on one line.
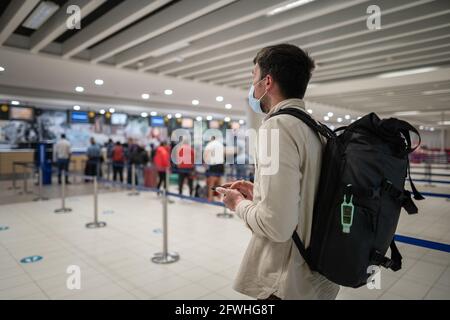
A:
{"points": [[165, 256]]}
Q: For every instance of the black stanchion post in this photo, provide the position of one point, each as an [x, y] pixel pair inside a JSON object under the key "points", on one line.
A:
{"points": [[165, 256], [225, 214], [63, 208], [96, 223]]}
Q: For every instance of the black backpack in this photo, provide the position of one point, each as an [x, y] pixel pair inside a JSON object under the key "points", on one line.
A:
{"points": [[360, 195]]}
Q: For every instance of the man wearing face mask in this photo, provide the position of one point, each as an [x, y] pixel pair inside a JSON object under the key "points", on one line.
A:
{"points": [[277, 204]]}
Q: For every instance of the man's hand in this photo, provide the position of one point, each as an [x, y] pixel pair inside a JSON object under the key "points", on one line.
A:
{"points": [[231, 197], [244, 187]]}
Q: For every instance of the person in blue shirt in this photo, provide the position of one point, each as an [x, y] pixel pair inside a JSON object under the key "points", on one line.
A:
{"points": [[93, 154]]}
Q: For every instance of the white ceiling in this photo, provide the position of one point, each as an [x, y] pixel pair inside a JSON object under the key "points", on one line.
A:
{"points": [[204, 48]]}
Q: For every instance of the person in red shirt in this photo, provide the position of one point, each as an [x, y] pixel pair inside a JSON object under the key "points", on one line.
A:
{"points": [[118, 160], [161, 161], [185, 164]]}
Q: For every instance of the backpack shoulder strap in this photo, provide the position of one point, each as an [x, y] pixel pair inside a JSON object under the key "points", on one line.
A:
{"points": [[301, 248], [318, 128]]}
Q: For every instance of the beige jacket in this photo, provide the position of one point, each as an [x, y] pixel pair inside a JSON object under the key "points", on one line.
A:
{"points": [[283, 202]]}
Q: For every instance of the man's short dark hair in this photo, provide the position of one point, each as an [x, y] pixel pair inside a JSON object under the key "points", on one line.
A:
{"points": [[290, 67], [63, 136]]}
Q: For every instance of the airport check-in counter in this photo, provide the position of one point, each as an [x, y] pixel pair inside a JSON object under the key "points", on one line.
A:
{"points": [[9, 156]]}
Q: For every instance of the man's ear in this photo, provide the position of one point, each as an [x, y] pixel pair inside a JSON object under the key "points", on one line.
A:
{"points": [[269, 82]]}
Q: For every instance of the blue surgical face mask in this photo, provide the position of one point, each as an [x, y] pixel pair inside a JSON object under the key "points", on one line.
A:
{"points": [[254, 103]]}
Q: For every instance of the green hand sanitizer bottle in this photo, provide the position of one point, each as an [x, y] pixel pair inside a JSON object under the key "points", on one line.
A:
{"points": [[347, 211]]}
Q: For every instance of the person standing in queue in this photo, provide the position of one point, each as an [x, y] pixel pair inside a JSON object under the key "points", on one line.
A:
{"points": [[280, 202], [93, 154], [62, 151], [185, 164], [118, 161], [132, 155], [161, 160], [214, 159]]}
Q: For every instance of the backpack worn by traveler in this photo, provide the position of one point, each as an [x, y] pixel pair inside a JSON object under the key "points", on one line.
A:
{"points": [[361, 192]]}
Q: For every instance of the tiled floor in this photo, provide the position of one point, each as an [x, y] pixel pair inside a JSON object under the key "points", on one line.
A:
{"points": [[115, 260]]}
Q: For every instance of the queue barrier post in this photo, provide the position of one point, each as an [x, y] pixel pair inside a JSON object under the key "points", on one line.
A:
{"points": [[96, 223], [165, 257], [14, 178], [63, 208], [25, 177], [40, 196], [133, 192]]}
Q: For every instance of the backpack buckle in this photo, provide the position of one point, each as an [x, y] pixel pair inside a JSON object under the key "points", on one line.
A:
{"points": [[387, 263], [379, 259], [376, 193]]}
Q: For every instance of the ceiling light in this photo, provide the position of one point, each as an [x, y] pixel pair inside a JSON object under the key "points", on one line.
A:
{"points": [[356, 99], [2, 69], [169, 116], [219, 98], [195, 102], [153, 113], [79, 89], [359, 118], [227, 119], [209, 118], [199, 118], [177, 115], [42, 13], [99, 82], [347, 117], [289, 6], [144, 114], [330, 114], [76, 108], [170, 48], [241, 121], [421, 127], [310, 111], [326, 118], [168, 92], [112, 110], [405, 72], [102, 111], [431, 129], [406, 113], [145, 96], [436, 92], [228, 106], [339, 120]]}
